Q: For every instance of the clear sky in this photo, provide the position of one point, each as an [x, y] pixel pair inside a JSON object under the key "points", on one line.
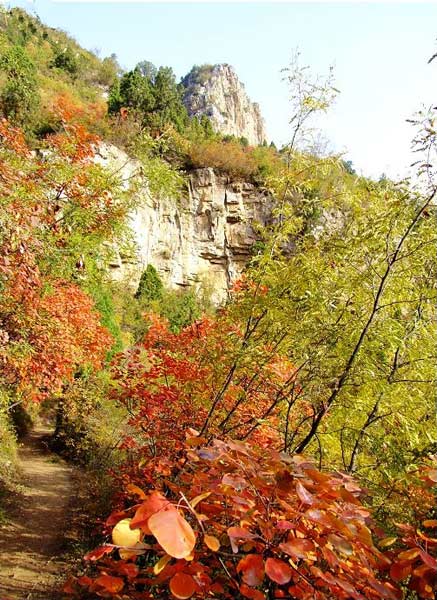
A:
{"points": [[379, 51]]}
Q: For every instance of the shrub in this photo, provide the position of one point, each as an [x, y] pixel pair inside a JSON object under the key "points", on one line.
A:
{"points": [[240, 522], [228, 157], [180, 308], [67, 61], [19, 97]]}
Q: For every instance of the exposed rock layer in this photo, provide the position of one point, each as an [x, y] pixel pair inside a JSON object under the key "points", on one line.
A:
{"points": [[205, 236], [216, 91]]}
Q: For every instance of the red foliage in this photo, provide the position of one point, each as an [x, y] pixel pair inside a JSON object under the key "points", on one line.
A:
{"points": [[222, 518], [63, 331], [414, 558], [198, 379], [270, 540], [48, 326]]}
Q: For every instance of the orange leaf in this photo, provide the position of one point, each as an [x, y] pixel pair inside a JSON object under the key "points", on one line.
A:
{"points": [[195, 501], [341, 544], [136, 491], [182, 586], [173, 532], [252, 568], [409, 554], [430, 523], [212, 542], [278, 571]]}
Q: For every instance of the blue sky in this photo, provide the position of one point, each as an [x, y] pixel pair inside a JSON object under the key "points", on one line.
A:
{"points": [[379, 51]]}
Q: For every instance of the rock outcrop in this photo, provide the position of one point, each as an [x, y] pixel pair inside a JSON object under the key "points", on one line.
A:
{"points": [[204, 237], [216, 91]]}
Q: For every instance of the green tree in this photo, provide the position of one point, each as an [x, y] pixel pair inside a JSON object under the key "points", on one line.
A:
{"points": [[350, 299], [180, 308], [150, 286], [153, 96], [147, 69], [168, 101]]}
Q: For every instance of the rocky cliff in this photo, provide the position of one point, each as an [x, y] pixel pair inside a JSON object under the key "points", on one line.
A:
{"points": [[204, 237], [216, 91]]}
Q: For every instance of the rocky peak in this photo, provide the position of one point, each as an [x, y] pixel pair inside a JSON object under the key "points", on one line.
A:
{"points": [[216, 91]]}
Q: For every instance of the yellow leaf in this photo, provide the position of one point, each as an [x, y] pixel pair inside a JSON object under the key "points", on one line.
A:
{"points": [[161, 564], [212, 542], [123, 535], [195, 501], [388, 541]]}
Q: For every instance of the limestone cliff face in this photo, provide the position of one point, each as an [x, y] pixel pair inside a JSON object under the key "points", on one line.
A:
{"points": [[203, 237], [216, 91]]}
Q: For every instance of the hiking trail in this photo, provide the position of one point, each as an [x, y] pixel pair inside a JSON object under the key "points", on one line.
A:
{"points": [[31, 541]]}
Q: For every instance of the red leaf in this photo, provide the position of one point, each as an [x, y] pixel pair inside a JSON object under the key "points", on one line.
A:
{"points": [[182, 586], [98, 553], [298, 547], [400, 570], [236, 533], [129, 570], [278, 570], [234, 481], [110, 584], [252, 568], [284, 480], [428, 559], [115, 517], [249, 592]]}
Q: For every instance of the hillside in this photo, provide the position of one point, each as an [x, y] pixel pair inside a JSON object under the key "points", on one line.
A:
{"points": [[39, 64]]}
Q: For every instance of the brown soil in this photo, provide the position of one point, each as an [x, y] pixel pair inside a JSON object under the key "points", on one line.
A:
{"points": [[31, 542]]}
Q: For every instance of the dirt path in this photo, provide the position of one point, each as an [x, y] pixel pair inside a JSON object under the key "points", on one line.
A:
{"points": [[31, 567]]}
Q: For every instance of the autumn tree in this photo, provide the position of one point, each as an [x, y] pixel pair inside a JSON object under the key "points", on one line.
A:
{"points": [[60, 208]]}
